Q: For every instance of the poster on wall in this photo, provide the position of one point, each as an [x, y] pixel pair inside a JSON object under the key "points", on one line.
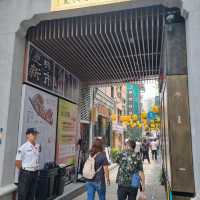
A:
{"points": [[39, 110], [67, 132]]}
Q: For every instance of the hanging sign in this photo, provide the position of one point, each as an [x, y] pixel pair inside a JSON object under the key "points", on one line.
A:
{"points": [[73, 4]]}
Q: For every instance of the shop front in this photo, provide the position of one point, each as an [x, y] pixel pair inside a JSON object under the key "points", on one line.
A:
{"points": [[50, 104], [117, 136], [102, 126]]}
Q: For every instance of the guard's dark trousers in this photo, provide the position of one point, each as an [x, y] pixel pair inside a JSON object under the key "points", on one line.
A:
{"points": [[27, 185]]}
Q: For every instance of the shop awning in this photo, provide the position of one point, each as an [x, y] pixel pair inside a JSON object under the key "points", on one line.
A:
{"points": [[105, 48]]}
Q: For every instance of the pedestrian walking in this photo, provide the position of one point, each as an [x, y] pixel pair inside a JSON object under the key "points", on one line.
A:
{"points": [[130, 173], [154, 148], [27, 161], [145, 150], [138, 147], [96, 171]]}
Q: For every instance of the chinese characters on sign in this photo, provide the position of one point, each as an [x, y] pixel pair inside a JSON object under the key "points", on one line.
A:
{"points": [[72, 4], [47, 74], [58, 79], [40, 70]]}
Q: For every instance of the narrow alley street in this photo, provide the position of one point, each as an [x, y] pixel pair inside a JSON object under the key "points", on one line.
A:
{"points": [[154, 190]]}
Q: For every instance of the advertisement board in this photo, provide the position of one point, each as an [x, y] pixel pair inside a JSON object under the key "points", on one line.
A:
{"points": [[39, 110], [67, 132]]}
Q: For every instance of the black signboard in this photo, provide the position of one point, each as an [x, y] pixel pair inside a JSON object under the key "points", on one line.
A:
{"points": [[40, 69], [75, 88], [47, 74], [66, 85], [58, 79]]}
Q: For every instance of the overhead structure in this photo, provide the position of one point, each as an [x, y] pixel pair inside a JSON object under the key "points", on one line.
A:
{"points": [[105, 48]]}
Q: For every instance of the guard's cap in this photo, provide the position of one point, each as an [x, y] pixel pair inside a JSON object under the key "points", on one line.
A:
{"points": [[31, 131]]}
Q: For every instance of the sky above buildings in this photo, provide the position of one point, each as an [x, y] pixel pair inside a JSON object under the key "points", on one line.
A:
{"points": [[148, 97], [151, 90]]}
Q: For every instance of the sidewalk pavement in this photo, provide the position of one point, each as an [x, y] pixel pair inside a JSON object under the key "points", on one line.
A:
{"points": [[154, 191], [74, 190]]}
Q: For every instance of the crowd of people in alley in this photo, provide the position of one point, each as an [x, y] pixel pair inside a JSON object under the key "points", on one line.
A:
{"points": [[130, 177]]}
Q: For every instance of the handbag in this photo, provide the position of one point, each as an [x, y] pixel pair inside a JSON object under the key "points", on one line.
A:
{"points": [[142, 196], [136, 180]]}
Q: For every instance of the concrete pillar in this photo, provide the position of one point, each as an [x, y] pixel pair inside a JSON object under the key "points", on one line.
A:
{"points": [[11, 62], [192, 8], [12, 44]]}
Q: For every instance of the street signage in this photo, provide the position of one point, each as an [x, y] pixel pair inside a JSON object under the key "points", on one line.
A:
{"points": [[43, 72], [74, 4]]}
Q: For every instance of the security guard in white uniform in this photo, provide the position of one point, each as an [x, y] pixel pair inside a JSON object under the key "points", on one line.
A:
{"points": [[27, 161]]}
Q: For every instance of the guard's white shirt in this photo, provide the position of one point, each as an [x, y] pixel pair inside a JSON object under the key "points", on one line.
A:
{"points": [[29, 155]]}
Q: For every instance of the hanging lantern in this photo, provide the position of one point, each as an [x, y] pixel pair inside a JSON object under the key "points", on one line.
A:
{"points": [[155, 109], [153, 126], [125, 118], [125, 123], [146, 127], [135, 118], [140, 125], [144, 115], [144, 121], [132, 126], [122, 118], [151, 115], [114, 117], [128, 118]]}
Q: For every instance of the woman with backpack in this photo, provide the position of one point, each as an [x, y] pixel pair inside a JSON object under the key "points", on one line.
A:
{"points": [[130, 174], [96, 171]]}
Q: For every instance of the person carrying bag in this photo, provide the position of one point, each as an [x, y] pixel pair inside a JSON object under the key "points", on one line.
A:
{"points": [[130, 174], [95, 171]]}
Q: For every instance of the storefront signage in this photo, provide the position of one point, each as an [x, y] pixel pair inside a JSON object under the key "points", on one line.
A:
{"points": [[67, 132], [44, 72], [39, 110], [117, 127], [102, 110], [73, 4]]}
